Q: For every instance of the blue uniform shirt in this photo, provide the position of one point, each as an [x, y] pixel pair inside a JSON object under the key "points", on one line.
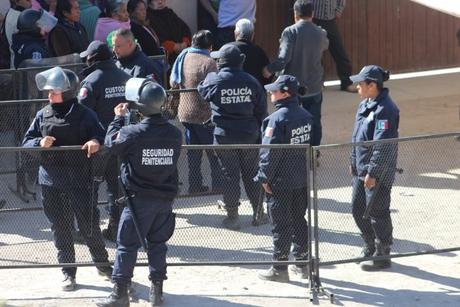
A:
{"points": [[149, 152], [290, 124], [238, 101], [376, 120]]}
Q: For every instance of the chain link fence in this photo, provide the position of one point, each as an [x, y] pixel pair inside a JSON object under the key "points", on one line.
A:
{"points": [[424, 198], [199, 238]]}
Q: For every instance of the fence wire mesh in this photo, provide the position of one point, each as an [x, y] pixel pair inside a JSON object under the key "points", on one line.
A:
{"points": [[424, 198], [26, 228]]}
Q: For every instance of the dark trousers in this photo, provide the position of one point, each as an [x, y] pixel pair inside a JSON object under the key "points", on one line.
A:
{"points": [[337, 50], [156, 223], [239, 161], [111, 177], [196, 134], [313, 105], [60, 207], [287, 210], [224, 36], [379, 225]]}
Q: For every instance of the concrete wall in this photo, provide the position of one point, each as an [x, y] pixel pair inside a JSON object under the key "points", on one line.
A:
{"points": [[187, 10]]}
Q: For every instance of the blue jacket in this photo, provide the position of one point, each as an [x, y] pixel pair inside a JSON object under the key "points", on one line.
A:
{"points": [[285, 168], [27, 46], [238, 101], [376, 120], [64, 169], [149, 152], [103, 89]]}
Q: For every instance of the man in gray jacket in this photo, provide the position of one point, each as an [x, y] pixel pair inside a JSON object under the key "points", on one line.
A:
{"points": [[301, 49]]}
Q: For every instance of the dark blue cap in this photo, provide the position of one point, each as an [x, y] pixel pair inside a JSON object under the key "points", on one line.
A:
{"points": [[370, 73], [97, 48], [284, 83], [229, 54]]}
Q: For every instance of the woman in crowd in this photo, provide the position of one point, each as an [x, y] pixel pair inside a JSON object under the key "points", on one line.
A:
{"points": [[115, 16]]}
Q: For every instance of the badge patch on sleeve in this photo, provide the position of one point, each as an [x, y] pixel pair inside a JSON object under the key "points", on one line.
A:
{"points": [[83, 92], [382, 124], [269, 132]]}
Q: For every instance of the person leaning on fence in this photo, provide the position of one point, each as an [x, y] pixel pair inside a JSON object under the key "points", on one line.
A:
{"points": [[149, 152], [131, 59], [29, 42], [283, 174], [239, 105], [191, 67], [102, 89], [65, 177], [373, 167], [69, 36]]}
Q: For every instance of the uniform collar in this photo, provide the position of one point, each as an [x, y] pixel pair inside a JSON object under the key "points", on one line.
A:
{"points": [[286, 102], [371, 104], [130, 57], [50, 112], [154, 119], [98, 65]]}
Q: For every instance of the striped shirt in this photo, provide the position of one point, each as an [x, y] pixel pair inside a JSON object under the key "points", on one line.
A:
{"points": [[327, 9]]}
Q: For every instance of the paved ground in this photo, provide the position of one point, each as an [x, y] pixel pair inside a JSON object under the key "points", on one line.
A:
{"points": [[427, 192]]}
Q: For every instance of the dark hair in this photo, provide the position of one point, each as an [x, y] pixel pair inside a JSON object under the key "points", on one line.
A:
{"points": [[132, 5], [63, 6], [202, 39], [303, 8], [385, 77]]}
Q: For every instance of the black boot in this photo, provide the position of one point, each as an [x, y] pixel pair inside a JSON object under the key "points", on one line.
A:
{"points": [[376, 265], [118, 298], [232, 221], [368, 248], [156, 293], [110, 233], [259, 217]]}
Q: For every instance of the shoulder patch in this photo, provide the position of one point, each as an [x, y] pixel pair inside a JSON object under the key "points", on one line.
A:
{"points": [[382, 124], [269, 132], [83, 93]]}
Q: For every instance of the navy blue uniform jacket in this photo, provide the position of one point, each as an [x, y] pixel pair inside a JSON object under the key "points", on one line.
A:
{"points": [[238, 101], [64, 169], [376, 120], [149, 152], [103, 89], [285, 168]]}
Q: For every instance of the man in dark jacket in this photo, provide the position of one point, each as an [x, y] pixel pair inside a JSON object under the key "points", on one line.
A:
{"points": [[65, 176], [283, 175], [131, 59], [29, 42], [69, 36], [238, 104], [101, 90], [256, 58], [149, 152]]}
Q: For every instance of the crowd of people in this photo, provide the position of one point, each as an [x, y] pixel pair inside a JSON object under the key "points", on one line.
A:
{"points": [[232, 76]]}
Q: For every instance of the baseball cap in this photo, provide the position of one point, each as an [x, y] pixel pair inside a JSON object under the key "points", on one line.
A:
{"points": [[370, 73], [97, 48], [286, 83], [229, 54]]}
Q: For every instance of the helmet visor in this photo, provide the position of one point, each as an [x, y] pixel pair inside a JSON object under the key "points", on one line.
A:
{"points": [[46, 22], [133, 87], [53, 79]]}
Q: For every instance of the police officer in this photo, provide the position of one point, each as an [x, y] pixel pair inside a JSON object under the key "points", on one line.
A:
{"points": [[149, 152], [29, 42], [283, 175], [102, 90], [239, 105], [131, 59], [65, 177], [377, 119]]}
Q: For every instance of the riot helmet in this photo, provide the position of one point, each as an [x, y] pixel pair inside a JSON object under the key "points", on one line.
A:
{"points": [[36, 21], [60, 80], [147, 96]]}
